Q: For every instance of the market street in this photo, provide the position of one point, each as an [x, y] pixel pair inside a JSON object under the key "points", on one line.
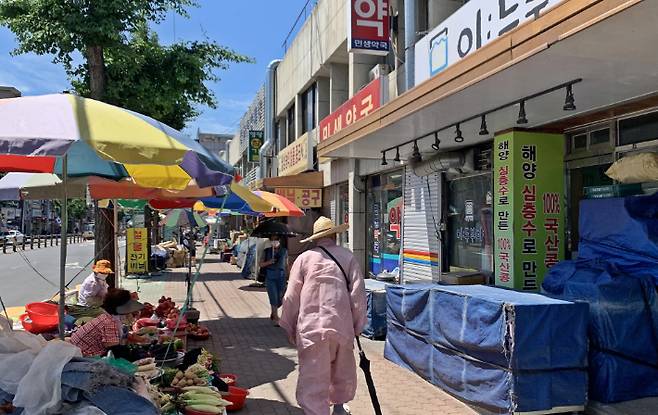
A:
{"points": [[20, 284]]}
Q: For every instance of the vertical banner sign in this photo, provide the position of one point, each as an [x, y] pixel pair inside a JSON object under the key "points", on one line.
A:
{"points": [[137, 250], [256, 138], [528, 207], [369, 27], [471, 27]]}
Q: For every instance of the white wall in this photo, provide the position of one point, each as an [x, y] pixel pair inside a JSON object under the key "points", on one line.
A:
{"points": [[318, 39]]}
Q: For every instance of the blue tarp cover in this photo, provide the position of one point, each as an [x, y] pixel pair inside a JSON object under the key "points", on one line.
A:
{"points": [[499, 349], [616, 274], [376, 312]]}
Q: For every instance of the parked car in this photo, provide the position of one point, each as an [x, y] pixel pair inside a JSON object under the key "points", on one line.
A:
{"points": [[88, 232], [8, 237]]}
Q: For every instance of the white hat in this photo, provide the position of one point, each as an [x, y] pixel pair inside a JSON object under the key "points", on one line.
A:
{"points": [[325, 227]]}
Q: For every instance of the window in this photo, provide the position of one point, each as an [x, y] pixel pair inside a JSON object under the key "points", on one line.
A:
{"points": [[291, 125], [470, 223], [600, 137], [308, 109], [384, 203], [638, 129]]}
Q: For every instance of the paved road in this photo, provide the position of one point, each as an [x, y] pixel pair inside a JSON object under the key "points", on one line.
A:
{"points": [[20, 284]]}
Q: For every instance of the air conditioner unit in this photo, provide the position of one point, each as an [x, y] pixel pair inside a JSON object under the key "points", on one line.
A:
{"points": [[378, 71]]}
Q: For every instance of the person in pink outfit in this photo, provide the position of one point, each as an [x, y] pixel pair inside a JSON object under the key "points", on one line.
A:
{"points": [[322, 313]]}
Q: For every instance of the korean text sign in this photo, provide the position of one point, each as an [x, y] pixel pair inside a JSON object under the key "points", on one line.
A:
{"points": [[256, 138], [468, 29], [137, 250], [303, 198], [528, 207], [369, 27], [359, 106], [294, 158]]}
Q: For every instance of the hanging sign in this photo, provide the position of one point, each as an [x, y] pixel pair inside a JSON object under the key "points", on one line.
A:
{"points": [[528, 207], [468, 29], [303, 198], [369, 27], [256, 138], [359, 106], [137, 250]]}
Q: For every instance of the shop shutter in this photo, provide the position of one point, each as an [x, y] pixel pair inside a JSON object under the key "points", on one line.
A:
{"points": [[420, 227]]}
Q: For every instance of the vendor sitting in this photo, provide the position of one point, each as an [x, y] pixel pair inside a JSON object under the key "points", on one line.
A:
{"points": [[94, 287], [105, 331]]}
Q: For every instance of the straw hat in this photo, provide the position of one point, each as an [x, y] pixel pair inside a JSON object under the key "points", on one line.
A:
{"points": [[103, 267], [324, 227]]}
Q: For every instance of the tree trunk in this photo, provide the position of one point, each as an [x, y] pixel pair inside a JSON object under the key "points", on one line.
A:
{"points": [[96, 62], [104, 239]]}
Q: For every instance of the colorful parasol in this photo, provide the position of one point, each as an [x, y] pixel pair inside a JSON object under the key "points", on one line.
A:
{"points": [[282, 206], [38, 186], [183, 217], [101, 140]]}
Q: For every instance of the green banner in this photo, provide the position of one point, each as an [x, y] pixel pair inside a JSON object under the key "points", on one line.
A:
{"points": [[256, 138], [528, 207]]}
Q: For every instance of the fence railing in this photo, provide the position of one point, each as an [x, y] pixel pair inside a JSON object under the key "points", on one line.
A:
{"points": [[299, 22], [36, 242]]}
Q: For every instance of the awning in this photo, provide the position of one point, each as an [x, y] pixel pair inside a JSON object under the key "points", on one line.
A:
{"points": [[598, 41]]}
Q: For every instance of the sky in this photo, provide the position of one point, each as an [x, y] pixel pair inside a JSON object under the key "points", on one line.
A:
{"points": [[256, 28]]}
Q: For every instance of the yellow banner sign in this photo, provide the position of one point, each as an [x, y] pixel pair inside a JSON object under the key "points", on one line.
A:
{"points": [[294, 158], [303, 198], [137, 250]]}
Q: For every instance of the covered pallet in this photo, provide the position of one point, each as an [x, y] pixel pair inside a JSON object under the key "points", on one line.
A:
{"points": [[505, 351], [616, 273]]}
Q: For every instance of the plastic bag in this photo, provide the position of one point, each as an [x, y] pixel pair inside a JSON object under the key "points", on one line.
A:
{"points": [[41, 387], [17, 352], [636, 168]]}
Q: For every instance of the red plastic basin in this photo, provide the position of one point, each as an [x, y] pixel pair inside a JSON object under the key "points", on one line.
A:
{"points": [[237, 396], [35, 328], [43, 314]]}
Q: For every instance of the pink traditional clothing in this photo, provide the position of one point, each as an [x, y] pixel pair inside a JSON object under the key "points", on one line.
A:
{"points": [[321, 317]]}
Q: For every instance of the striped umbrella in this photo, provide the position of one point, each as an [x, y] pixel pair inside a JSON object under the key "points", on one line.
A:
{"points": [[282, 206], [101, 140]]}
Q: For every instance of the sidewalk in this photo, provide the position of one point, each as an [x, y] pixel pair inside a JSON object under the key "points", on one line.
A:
{"points": [[250, 347]]}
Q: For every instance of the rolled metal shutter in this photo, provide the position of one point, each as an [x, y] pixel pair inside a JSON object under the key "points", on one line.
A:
{"points": [[420, 228]]}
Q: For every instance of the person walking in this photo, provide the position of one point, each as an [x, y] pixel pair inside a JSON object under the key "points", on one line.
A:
{"points": [[274, 264], [322, 313]]}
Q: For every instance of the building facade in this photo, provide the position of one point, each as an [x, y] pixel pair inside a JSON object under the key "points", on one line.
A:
{"points": [[459, 149]]}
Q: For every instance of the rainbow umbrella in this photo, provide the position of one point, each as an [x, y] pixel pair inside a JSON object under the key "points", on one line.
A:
{"points": [[101, 140], [282, 206]]}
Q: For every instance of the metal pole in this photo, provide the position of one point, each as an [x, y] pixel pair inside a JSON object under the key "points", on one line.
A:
{"points": [[117, 254], [62, 256]]}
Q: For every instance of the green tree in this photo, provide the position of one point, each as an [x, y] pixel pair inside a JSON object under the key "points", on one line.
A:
{"points": [[163, 82]]}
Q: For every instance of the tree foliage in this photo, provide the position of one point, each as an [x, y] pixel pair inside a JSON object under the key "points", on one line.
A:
{"points": [[62, 27], [164, 82], [75, 208]]}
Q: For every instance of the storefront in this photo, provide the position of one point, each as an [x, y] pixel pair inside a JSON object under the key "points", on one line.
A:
{"points": [[383, 211]]}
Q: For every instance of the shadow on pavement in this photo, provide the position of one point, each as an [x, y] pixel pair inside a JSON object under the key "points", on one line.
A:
{"points": [[259, 406]]}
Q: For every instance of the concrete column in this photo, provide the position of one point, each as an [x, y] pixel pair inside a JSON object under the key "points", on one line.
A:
{"points": [[439, 10], [323, 98], [339, 85], [357, 213], [360, 66]]}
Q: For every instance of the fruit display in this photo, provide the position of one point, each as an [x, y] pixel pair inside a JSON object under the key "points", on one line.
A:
{"points": [[165, 305], [146, 368], [147, 311], [207, 360], [195, 375], [197, 331]]}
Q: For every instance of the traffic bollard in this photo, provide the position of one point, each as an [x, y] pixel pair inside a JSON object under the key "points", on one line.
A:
{"points": [[13, 244], [32, 242], [4, 246], [24, 243], [57, 241], [38, 241]]}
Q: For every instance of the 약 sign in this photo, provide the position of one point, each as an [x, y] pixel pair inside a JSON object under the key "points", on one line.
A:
{"points": [[469, 28], [369, 27], [359, 106], [256, 138], [528, 207], [294, 158], [137, 250], [303, 198]]}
